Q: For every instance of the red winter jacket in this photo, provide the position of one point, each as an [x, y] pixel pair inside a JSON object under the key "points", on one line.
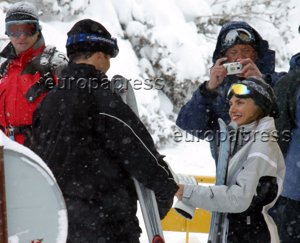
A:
{"points": [[20, 74]]}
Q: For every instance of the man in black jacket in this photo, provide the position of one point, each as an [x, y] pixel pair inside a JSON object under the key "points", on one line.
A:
{"points": [[95, 144]]}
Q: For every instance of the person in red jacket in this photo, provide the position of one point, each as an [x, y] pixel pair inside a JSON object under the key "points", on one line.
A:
{"points": [[30, 69]]}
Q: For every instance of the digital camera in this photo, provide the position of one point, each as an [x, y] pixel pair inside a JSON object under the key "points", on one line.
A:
{"points": [[233, 67]]}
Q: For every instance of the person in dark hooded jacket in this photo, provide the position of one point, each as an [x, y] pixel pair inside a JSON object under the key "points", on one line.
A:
{"points": [[286, 211], [237, 42], [94, 144]]}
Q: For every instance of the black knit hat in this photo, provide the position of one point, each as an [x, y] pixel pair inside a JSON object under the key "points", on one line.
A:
{"points": [[22, 11], [262, 94], [90, 36]]}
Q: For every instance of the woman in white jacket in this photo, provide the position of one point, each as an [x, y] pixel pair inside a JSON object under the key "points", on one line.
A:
{"points": [[255, 171]]}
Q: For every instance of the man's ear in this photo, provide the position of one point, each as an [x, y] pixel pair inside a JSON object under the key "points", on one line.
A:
{"points": [[105, 56], [102, 55], [99, 54]]}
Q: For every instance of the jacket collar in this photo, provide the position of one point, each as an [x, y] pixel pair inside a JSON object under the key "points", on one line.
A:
{"points": [[264, 124], [80, 70], [85, 71], [250, 132]]}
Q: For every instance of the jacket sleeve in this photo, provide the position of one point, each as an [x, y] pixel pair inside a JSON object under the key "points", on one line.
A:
{"points": [[295, 62], [198, 115], [273, 77], [237, 197], [129, 142]]}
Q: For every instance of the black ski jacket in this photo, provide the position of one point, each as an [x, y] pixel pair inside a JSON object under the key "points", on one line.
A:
{"points": [[95, 144]]}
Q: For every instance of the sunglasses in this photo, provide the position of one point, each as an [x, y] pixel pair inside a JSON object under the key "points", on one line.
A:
{"points": [[16, 29], [239, 89], [238, 36]]}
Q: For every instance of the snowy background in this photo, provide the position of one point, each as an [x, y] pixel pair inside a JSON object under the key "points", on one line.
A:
{"points": [[167, 45]]}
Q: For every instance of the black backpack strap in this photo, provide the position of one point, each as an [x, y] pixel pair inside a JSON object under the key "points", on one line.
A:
{"points": [[42, 64], [3, 68]]}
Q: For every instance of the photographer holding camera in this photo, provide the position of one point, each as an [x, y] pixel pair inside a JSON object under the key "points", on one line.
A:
{"points": [[240, 53]]}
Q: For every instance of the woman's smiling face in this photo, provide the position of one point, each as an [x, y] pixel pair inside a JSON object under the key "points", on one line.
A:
{"points": [[243, 110]]}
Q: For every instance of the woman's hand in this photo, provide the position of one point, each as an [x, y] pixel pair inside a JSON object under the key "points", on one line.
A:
{"points": [[179, 193]]}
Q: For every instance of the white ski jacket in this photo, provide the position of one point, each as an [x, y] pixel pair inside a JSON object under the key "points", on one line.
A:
{"points": [[259, 157]]}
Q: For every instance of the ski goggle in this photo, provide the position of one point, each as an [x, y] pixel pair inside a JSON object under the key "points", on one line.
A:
{"points": [[18, 28], [238, 36], [240, 90], [245, 91]]}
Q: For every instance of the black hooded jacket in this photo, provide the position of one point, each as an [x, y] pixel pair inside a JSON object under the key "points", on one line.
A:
{"points": [[94, 145]]}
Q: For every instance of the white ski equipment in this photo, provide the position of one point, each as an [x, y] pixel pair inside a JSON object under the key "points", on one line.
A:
{"points": [[216, 231], [146, 197]]}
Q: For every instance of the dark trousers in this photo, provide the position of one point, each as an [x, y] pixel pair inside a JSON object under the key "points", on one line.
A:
{"points": [[89, 224], [286, 214]]}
